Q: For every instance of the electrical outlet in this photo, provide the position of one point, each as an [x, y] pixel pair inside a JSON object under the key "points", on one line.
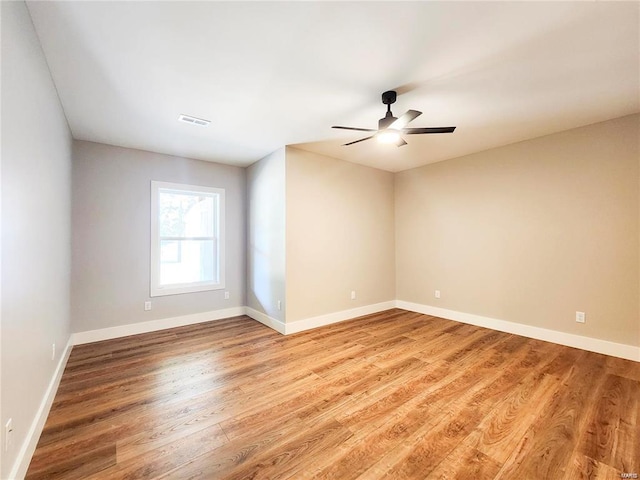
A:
{"points": [[353, 294], [147, 306], [8, 434], [53, 351], [226, 295], [279, 305], [581, 317], [437, 293]]}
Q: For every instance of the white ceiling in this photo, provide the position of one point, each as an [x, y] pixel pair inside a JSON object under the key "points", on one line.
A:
{"points": [[274, 74]]}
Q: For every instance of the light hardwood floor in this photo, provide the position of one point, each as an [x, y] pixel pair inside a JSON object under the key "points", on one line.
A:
{"points": [[391, 395]]}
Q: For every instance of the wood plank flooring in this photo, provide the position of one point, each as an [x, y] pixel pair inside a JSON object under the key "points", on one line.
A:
{"points": [[392, 395]]}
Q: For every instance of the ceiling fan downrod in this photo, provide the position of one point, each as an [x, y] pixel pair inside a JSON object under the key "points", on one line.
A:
{"points": [[388, 98]]}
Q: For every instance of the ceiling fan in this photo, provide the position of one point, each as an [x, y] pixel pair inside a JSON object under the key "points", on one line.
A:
{"points": [[390, 128]]}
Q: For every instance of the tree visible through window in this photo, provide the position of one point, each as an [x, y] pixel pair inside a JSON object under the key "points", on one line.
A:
{"points": [[186, 224]]}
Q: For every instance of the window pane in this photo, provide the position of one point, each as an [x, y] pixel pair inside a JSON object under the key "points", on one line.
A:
{"points": [[170, 251], [187, 261], [186, 215]]}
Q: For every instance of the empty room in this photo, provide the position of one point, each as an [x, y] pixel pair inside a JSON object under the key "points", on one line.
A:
{"points": [[332, 240]]}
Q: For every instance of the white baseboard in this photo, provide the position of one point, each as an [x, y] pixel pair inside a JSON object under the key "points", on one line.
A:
{"points": [[605, 347], [620, 350], [27, 448], [265, 319], [153, 325], [328, 319], [319, 321]]}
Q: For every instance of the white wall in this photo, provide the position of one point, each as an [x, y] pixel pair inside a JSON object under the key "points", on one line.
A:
{"points": [[530, 233], [266, 235], [111, 235], [36, 187], [339, 235]]}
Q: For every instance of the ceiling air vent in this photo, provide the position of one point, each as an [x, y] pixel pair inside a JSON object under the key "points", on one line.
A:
{"points": [[194, 120]]}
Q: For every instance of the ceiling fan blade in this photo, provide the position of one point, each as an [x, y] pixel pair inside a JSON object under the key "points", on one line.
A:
{"points": [[361, 140], [414, 131], [355, 128], [404, 119], [401, 142]]}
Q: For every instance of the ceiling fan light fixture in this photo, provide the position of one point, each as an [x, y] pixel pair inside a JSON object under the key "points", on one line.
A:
{"points": [[388, 136]]}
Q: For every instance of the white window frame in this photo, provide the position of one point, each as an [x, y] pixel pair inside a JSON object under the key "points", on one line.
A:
{"points": [[156, 289]]}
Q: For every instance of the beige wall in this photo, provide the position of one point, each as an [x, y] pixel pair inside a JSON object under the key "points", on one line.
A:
{"points": [[36, 228], [111, 235], [529, 233], [339, 235], [266, 235]]}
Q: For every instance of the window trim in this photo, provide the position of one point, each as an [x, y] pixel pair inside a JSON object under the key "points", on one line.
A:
{"points": [[156, 290]]}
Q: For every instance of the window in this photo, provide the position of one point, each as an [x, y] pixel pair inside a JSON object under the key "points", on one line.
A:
{"points": [[187, 238]]}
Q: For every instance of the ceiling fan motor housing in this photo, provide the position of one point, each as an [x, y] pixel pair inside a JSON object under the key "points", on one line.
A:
{"points": [[386, 121]]}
